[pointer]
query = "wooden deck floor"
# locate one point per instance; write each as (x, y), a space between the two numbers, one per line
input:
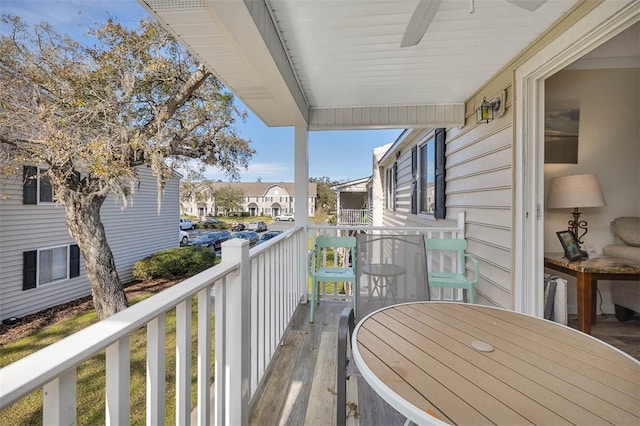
(300, 389)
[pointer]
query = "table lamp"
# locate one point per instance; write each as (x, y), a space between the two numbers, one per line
(575, 191)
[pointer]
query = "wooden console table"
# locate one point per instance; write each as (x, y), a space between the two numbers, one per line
(587, 273)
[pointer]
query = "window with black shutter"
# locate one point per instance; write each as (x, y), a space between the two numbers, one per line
(432, 172)
(36, 187)
(55, 264)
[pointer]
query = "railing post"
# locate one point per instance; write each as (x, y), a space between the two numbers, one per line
(461, 225)
(233, 332)
(59, 400)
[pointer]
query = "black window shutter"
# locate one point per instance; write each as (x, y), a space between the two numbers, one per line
(395, 185)
(440, 208)
(30, 185)
(29, 268)
(74, 261)
(414, 180)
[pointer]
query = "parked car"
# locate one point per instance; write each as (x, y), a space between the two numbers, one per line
(252, 236)
(212, 222)
(186, 224)
(267, 236)
(183, 238)
(238, 226)
(212, 240)
(285, 216)
(258, 226)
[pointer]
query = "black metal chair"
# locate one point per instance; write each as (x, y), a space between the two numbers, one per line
(392, 268)
(345, 331)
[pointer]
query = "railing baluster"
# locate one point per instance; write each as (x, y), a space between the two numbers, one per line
(118, 373)
(204, 349)
(256, 266)
(183, 363)
(156, 333)
(59, 400)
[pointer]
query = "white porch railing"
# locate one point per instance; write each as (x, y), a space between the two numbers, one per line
(353, 217)
(443, 261)
(256, 294)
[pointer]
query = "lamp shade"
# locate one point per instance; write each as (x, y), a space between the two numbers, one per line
(575, 191)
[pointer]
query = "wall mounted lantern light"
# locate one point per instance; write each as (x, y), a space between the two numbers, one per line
(575, 191)
(488, 110)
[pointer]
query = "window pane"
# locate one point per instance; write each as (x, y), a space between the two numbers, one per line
(46, 190)
(52, 265)
(427, 177)
(45, 263)
(60, 263)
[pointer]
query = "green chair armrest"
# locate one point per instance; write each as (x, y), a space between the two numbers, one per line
(476, 268)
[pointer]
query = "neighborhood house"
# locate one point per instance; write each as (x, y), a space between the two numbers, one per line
(41, 266)
(257, 198)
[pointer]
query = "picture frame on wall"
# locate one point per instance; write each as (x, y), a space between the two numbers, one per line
(570, 245)
(561, 130)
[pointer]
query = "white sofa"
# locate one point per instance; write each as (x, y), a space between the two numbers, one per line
(625, 294)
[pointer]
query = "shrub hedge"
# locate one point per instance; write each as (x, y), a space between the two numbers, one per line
(174, 262)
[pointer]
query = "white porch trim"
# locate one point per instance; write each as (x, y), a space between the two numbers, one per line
(389, 117)
(603, 23)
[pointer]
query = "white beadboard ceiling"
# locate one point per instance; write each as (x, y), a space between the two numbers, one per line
(292, 61)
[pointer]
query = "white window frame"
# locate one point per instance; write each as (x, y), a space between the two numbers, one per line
(421, 212)
(39, 268)
(390, 184)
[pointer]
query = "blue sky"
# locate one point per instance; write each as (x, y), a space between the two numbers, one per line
(340, 155)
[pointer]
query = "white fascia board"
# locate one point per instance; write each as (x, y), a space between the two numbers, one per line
(388, 117)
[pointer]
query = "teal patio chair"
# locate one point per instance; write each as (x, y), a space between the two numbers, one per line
(321, 269)
(457, 278)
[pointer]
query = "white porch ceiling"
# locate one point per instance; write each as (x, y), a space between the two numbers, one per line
(338, 63)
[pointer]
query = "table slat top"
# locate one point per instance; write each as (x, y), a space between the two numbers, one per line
(539, 372)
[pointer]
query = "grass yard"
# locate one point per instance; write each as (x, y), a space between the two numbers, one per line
(90, 375)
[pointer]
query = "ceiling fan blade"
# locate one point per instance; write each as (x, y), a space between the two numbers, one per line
(419, 22)
(529, 5)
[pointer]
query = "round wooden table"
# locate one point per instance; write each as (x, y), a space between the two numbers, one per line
(439, 363)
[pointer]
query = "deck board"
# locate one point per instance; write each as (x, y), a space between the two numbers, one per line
(305, 366)
(274, 392)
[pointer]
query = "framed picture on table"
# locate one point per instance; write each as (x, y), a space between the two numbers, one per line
(570, 245)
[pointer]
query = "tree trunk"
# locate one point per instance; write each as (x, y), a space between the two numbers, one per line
(85, 226)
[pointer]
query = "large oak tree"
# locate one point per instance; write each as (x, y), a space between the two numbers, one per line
(88, 115)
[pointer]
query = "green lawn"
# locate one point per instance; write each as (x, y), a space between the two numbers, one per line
(91, 374)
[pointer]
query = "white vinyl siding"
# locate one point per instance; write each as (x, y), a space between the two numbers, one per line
(133, 233)
(478, 183)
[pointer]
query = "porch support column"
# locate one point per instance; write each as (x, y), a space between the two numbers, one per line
(301, 203)
(301, 175)
(377, 191)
